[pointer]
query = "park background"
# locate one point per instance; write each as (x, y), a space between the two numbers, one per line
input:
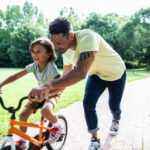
(19, 25)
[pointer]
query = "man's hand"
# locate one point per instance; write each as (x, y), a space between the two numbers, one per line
(38, 94)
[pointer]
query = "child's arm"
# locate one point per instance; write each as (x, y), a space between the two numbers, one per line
(13, 77)
(66, 69)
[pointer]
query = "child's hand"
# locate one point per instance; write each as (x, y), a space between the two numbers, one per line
(38, 94)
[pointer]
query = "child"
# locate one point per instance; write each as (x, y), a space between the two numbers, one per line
(44, 69)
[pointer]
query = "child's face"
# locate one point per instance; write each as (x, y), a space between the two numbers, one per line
(40, 55)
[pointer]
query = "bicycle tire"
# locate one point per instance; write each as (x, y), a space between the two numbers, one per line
(9, 148)
(56, 145)
(61, 141)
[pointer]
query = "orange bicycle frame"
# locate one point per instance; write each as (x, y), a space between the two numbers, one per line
(13, 130)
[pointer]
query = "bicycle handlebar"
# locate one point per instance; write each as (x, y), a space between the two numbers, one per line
(12, 109)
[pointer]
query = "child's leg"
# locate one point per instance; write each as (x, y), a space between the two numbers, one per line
(27, 111)
(47, 110)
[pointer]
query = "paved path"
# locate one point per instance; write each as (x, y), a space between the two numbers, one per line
(134, 126)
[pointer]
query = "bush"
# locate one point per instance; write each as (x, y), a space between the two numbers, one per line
(130, 65)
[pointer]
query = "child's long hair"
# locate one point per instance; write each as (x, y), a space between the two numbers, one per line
(49, 46)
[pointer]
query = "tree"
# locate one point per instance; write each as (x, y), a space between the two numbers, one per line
(141, 19)
(23, 26)
(13, 17)
(5, 60)
(134, 38)
(102, 25)
(72, 16)
(19, 50)
(31, 26)
(4, 41)
(125, 40)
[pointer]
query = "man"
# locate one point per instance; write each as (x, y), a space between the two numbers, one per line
(86, 52)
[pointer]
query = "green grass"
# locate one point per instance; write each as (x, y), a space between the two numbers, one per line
(137, 74)
(14, 91)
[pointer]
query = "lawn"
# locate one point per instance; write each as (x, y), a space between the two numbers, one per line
(13, 92)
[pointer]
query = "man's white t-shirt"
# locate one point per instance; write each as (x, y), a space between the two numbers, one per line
(108, 64)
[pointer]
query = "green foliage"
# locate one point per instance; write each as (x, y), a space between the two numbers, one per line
(125, 41)
(129, 36)
(21, 27)
(72, 16)
(13, 17)
(102, 25)
(21, 39)
(4, 45)
(134, 38)
(142, 16)
(141, 20)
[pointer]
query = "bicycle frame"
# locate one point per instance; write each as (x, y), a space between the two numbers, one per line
(12, 130)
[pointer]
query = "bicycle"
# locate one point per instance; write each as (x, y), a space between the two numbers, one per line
(38, 141)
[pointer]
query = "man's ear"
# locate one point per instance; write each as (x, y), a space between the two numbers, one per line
(71, 36)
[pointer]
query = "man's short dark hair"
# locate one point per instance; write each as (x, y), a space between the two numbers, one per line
(60, 25)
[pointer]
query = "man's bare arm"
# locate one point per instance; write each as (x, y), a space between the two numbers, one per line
(75, 75)
(67, 69)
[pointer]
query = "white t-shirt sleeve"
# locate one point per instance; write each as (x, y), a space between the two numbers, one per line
(88, 42)
(68, 57)
(30, 67)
